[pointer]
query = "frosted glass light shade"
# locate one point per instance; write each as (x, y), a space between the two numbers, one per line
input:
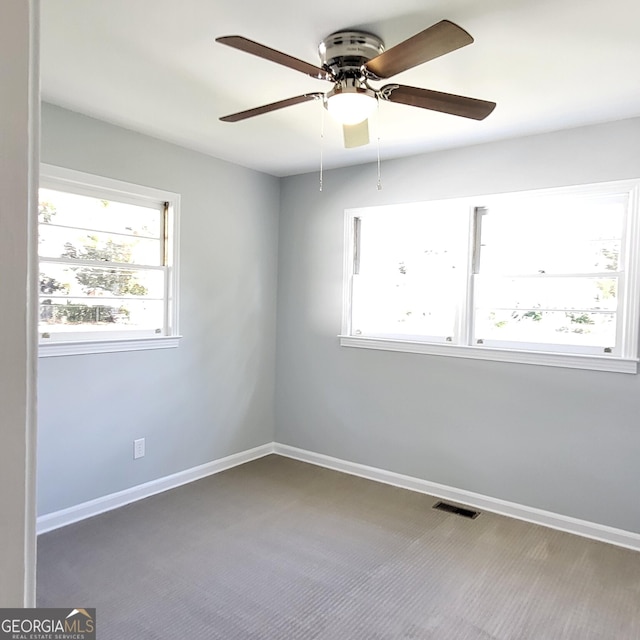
(351, 108)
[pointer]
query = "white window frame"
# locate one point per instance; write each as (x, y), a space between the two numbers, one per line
(85, 342)
(629, 315)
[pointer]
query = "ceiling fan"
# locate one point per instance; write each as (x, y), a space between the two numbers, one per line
(353, 59)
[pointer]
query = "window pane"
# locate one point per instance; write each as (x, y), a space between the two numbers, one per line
(547, 293)
(77, 314)
(414, 243)
(72, 210)
(552, 235)
(59, 280)
(79, 244)
(411, 271)
(404, 306)
(546, 327)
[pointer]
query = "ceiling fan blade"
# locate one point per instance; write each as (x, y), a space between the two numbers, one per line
(355, 135)
(431, 43)
(273, 106)
(249, 46)
(438, 101)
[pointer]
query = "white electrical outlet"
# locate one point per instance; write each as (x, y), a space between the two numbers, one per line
(138, 448)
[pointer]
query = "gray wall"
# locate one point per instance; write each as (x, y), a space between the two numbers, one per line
(212, 396)
(558, 439)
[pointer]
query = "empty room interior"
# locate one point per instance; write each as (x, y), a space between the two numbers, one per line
(292, 371)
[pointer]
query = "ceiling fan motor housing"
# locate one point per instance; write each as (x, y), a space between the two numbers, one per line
(345, 52)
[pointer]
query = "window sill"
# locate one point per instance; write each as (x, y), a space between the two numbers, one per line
(570, 361)
(52, 349)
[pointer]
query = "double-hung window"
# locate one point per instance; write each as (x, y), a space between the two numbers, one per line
(107, 264)
(548, 277)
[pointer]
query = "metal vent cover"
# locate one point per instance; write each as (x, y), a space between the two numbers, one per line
(459, 511)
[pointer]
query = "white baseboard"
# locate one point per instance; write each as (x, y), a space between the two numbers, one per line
(583, 528)
(61, 518)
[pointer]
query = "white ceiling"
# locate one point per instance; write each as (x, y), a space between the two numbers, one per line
(153, 66)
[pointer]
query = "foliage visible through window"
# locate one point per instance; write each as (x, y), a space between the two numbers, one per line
(543, 272)
(104, 268)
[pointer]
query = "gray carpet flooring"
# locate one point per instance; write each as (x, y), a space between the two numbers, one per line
(278, 549)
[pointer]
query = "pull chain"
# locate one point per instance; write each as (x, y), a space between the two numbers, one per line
(379, 185)
(321, 144)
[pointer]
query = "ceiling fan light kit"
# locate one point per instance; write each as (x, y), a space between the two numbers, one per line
(350, 102)
(353, 59)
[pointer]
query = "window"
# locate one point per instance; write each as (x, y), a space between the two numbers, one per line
(108, 272)
(548, 277)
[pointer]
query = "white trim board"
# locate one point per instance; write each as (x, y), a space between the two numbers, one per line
(583, 528)
(62, 518)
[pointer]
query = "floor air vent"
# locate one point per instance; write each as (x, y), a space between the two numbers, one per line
(459, 511)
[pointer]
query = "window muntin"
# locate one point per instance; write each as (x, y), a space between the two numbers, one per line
(107, 260)
(553, 272)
